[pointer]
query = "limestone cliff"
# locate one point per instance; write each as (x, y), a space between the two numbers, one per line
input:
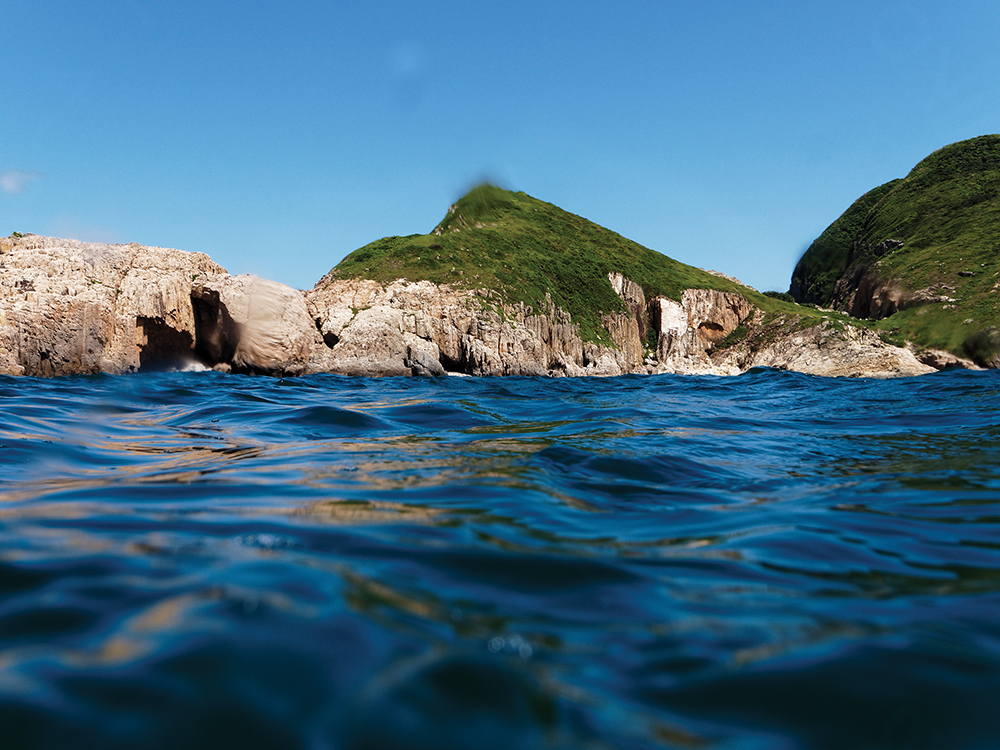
(76, 307)
(420, 327)
(72, 307)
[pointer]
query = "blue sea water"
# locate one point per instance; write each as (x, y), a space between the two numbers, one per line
(770, 561)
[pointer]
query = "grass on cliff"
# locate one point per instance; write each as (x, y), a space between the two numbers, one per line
(946, 212)
(521, 248)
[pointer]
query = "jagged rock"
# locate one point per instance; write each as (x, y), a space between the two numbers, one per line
(633, 297)
(373, 343)
(376, 329)
(424, 358)
(77, 307)
(690, 329)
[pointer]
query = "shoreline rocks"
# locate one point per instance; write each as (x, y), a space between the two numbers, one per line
(72, 307)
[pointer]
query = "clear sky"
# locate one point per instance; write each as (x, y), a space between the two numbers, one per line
(279, 136)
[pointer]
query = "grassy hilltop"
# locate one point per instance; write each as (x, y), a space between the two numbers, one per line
(521, 248)
(938, 231)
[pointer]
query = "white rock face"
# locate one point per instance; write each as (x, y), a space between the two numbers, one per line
(75, 307)
(689, 330)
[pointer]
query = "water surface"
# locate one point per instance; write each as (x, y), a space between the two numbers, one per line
(769, 561)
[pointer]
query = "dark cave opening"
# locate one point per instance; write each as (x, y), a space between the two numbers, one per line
(165, 347)
(216, 333)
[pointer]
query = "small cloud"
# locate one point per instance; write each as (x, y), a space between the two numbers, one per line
(16, 181)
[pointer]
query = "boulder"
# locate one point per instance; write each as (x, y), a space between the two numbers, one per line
(942, 360)
(826, 349)
(253, 325)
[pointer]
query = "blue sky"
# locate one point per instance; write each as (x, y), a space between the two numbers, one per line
(278, 137)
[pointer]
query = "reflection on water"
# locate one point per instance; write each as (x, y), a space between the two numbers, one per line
(768, 561)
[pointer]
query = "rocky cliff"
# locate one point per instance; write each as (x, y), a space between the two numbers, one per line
(429, 328)
(72, 307)
(423, 328)
(76, 307)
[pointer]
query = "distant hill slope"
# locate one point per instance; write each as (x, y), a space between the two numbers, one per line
(522, 248)
(919, 254)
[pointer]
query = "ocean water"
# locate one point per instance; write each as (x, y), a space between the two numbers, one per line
(769, 561)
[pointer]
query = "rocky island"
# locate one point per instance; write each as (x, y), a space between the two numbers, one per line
(510, 285)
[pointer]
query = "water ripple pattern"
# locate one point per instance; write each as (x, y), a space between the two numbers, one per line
(771, 561)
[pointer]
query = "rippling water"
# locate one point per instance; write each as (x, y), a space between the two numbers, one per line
(768, 561)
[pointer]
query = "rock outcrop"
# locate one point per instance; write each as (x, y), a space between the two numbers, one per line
(864, 293)
(251, 324)
(423, 328)
(826, 349)
(689, 331)
(73, 307)
(942, 360)
(77, 307)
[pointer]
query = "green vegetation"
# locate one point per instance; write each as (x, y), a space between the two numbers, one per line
(983, 346)
(520, 249)
(780, 295)
(816, 273)
(736, 335)
(937, 231)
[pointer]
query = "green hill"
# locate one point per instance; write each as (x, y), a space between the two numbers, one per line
(818, 271)
(522, 248)
(934, 237)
